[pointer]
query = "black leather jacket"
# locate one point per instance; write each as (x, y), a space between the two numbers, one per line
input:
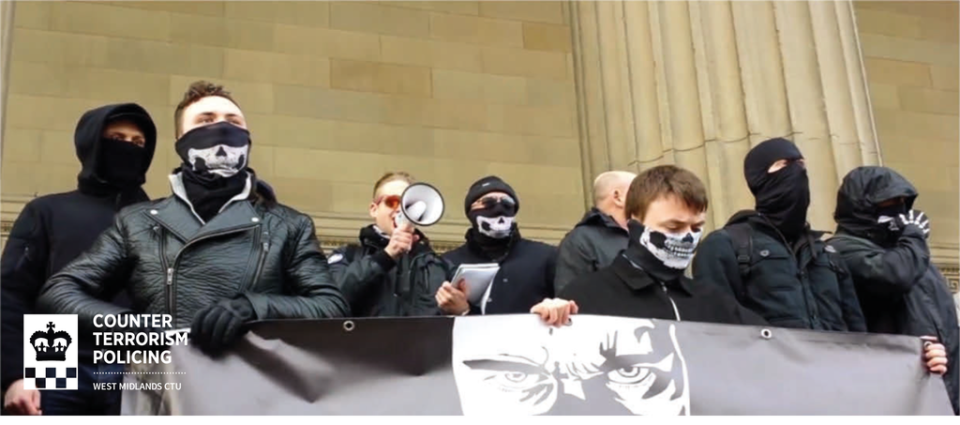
(171, 263)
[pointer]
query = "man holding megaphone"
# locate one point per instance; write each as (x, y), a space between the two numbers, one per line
(393, 271)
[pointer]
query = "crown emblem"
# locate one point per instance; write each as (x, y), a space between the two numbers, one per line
(51, 345)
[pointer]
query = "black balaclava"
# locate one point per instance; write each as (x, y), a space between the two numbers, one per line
(663, 256)
(122, 164)
(493, 228)
(784, 196)
(215, 159)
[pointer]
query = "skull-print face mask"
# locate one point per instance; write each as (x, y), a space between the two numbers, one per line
(216, 150)
(664, 255)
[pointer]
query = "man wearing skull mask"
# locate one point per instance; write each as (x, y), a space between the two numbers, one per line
(884, 243)
(526, 267)
(219, 253)
(771, 260)
(667, 207)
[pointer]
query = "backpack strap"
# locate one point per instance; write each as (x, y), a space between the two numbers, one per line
(741, 234)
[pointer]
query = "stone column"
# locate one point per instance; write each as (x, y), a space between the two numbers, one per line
(6, 39)
(698, 84)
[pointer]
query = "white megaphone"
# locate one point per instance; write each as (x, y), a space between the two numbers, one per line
(421, 204)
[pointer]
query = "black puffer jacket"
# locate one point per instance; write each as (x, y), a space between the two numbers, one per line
(170, 263)
(377, 286)
(52, 230)
(900, 289)
(804, 286)
(593, 244)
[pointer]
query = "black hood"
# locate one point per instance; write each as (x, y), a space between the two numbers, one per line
(861, 191)
(89, 133)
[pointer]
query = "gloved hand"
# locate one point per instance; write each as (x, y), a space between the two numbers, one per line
(915, 218)
(218, 326)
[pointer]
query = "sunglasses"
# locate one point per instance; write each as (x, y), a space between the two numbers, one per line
(391, 201)
(492, 201)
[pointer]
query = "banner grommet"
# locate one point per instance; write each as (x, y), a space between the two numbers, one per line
(766, 333)
(349, 326)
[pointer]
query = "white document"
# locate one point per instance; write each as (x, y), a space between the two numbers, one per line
(478, 278)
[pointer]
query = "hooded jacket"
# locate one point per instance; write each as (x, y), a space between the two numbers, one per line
(375, 285)
(54, 229)
(593, 244)
(900, 290)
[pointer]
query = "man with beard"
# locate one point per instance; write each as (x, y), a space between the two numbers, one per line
(115, 145)
(884, 243)
(771, 260)
(219, 253)
(668, 207)
(393, 272)
(526, 267)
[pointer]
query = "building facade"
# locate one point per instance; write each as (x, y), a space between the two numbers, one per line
(544, 94)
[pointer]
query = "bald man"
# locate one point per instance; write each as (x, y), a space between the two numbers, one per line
(602, 233)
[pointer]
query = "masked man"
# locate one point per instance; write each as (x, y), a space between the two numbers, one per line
(217, 254)
(115, 145)
(526, 267)
(771, 260)
(884, 243)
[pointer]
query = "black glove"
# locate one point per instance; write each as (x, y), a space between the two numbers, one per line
(915, 218)
(218, 326)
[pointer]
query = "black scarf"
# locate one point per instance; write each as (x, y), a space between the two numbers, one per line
(495, 249)
(782, 197)
(215, 159)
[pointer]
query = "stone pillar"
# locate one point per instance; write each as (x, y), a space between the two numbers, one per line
(698, 84)
(6, 40)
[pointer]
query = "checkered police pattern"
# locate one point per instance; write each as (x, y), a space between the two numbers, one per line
(50, 378)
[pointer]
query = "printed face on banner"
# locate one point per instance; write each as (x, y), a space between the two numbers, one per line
(598, 365)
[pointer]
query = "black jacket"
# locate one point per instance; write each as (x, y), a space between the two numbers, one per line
(802, 286)
(169, 262)
(627, 291)
(900, 289)
(52, 230)
(377, 286)
(525, 277)
(590, 246)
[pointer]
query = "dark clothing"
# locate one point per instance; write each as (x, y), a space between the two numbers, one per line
(783, 197)
(170, 263)
(525, 277)
(377, 286)
(900, 289)
(623, 289)
(800, 285)
(52, 230)
(87, 400)
(593, 244)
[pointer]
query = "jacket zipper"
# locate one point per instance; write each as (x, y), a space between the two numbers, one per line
(167, 269)
(171, 272)
(265, 246)
(676, 312)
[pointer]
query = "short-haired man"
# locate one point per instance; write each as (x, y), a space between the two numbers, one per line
(393, 272)
(602, 233)
(667, 206)
(526, 267)
(217, 254)
(770, 259)
(115, 145)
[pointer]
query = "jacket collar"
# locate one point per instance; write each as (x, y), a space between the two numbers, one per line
(177, 214)
(595, 217)
(637, 279)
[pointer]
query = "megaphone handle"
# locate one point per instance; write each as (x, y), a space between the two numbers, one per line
(400, 219)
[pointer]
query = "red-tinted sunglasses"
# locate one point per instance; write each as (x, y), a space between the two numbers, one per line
(391, 201)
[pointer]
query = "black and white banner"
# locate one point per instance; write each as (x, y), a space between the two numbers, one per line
(515, 365)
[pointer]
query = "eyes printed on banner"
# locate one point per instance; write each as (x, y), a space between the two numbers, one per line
(515, 374)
